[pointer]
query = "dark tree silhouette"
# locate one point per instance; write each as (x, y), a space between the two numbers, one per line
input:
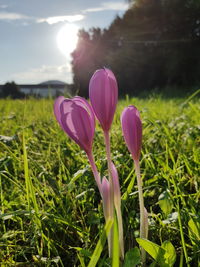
(11, 89)
(155, 44)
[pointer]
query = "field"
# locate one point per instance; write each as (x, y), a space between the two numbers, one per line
(51, 211)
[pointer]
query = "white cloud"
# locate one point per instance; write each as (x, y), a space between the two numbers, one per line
(116, 6)
(108, 6)
(56, 19)
(9, 16)
(12, 16)
(93, 9)
(44, 73)
(3, 6)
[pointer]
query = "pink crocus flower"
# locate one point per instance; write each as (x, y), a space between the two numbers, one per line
(76, 118)
(103, 92)
(132, 130)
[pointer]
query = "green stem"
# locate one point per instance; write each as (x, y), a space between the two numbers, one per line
(120, 228)
(108, 155)
(94, 170)
(141, 203)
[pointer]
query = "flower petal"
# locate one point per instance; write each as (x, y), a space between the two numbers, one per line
(84, 103)
(57, 104)
(77, 124)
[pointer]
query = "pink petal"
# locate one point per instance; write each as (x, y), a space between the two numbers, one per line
(57, 104)
(77, 124)
(84, 103)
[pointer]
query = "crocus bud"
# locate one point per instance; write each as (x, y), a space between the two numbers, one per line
(132, 130)
(76, 118)
(103, 92)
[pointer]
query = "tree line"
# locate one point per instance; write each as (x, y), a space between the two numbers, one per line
(12, 90)
(155, 44)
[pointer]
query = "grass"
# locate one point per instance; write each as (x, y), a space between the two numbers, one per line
(51, 213)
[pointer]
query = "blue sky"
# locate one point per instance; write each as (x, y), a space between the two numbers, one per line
(28, 30)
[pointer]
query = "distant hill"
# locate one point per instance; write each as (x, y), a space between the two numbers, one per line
(51, 88)
(53, 82)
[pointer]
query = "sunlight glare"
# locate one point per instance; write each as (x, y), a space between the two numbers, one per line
(67, 38)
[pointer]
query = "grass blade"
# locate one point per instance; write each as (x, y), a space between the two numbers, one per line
(115, 250)
(26, 171)
(99, 247)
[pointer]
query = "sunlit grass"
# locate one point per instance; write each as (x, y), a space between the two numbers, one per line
(51, 212)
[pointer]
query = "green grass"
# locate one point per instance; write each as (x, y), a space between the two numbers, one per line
(51, 211)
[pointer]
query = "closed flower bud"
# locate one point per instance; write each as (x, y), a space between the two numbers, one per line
(103, 92)
(132, 130)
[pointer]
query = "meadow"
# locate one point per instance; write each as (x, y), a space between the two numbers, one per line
(51, 211)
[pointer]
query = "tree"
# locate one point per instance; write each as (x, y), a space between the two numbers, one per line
(11, 89)
(88, 56)
(156, 43)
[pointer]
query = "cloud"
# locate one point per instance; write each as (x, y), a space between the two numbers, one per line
(8, 16)
(44, 73)
(12, 16)
(3, 6)
(108, 6)
(93, 9)
(56, 19)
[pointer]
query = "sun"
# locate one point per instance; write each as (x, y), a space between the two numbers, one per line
(67, 38)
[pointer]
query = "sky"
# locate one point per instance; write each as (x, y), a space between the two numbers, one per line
(29, 46)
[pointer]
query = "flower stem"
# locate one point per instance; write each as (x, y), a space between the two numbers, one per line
(108, 155)
(94, 170)
(142, 211)
(120, 229)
